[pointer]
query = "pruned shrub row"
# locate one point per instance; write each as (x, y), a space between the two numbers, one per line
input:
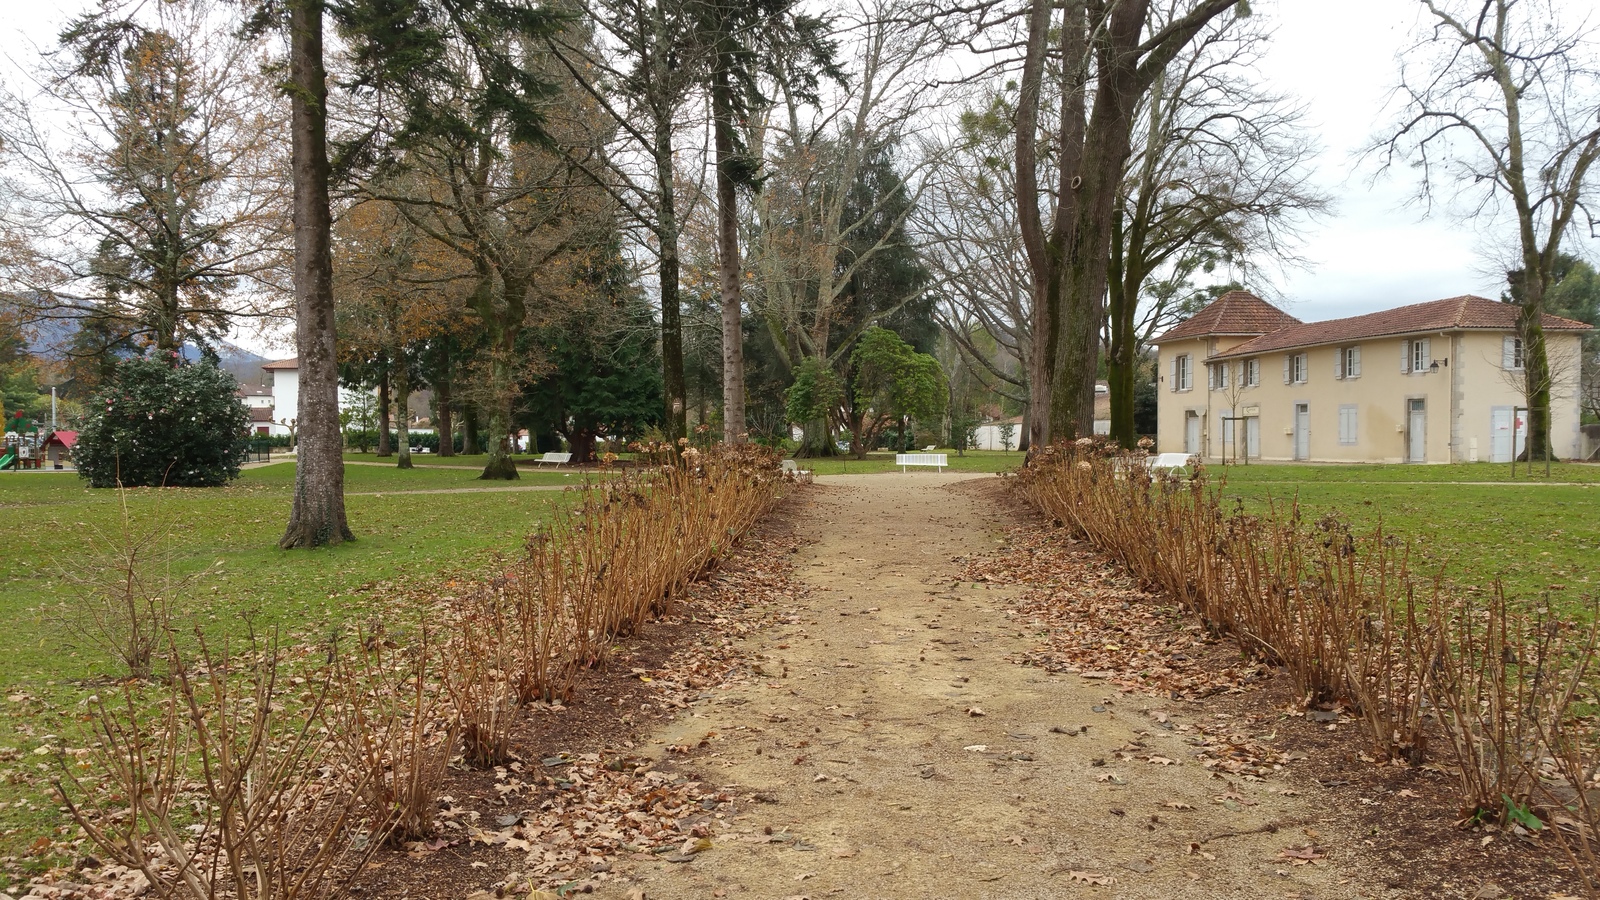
(1503, 690)
(258, 772)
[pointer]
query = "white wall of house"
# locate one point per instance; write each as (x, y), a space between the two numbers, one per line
(990, 437)
(285, 398)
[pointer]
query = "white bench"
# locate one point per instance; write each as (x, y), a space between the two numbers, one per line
(1172, 463)
(559, 459)
(791, 467)
(938, 460)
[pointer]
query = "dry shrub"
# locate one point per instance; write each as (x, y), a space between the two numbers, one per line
(124, 590)
(394, 733)
(598, 571)
(1499, 684)
(479, 666)
(221, 783)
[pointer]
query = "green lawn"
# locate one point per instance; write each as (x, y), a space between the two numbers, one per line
(973, 461)
(1537, 536)
(1497, 473)
(225, 538)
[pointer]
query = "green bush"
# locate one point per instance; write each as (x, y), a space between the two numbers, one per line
(156, 423)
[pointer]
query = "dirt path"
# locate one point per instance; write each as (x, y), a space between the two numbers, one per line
(876, 777)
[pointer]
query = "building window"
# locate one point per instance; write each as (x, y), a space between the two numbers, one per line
(1183, 373)
(1217, 376)
(1347, 424)
(1252, 373)
(1294, 368)
(1512, 353)
(1415, 356)
(1348, 363)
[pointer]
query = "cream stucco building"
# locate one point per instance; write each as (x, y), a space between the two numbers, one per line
(1431, 382)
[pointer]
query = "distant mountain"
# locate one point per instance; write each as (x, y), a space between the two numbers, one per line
(51, 338)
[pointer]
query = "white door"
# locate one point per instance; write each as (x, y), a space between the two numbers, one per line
(1252, 437)
(1302, 431)
(1501, 422)
(1229, 449)
(1416, 431)
(1191, 434)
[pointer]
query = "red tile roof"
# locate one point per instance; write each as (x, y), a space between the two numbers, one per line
(1234, 313)
(261, 414)
(293, 363)
(1465, 313)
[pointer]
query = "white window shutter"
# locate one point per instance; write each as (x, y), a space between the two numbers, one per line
(1508, 352)
(1211, 378)
(1427, 355)
(1405, 357)
(1338, 362)
(1286, 359)
(1355, 363)
(1174, 376)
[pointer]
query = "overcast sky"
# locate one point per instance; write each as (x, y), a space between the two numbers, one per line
(1372, 252)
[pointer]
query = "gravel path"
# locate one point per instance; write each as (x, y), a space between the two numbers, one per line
(900, 752)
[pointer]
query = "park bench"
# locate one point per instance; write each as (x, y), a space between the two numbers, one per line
(938, 460)
(792, 467)
(559, 459)
(1171, 463)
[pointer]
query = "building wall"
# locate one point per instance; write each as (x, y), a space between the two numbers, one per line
(285, 397)
(1459, 400)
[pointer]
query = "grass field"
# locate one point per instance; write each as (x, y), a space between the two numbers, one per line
(1471, 520)
(973, 461)
(224, 539)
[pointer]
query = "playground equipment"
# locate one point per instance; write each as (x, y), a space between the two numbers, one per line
(23, 448)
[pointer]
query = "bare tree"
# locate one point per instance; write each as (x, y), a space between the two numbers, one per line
(1112, 52)
(1501, 100)
(967, 225)
(839, 190)
(1218, 173)
(143, 170)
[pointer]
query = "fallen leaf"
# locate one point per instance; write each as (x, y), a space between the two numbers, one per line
(1301, 855)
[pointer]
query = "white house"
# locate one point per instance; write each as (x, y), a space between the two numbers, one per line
(1431, 382)
(283, 377)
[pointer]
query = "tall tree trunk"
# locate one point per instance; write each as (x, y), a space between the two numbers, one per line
(446, 424)
(500, 466)
(471, 440)
(1085, 263)
(1120, 361)
(402, 423)
(1031, 223)
(318, 516)
(1045, 250)
(733, 421)
(672, 381)
(1535, 370)
(384, 423)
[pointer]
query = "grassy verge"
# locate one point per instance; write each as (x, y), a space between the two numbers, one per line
(973, 461)
(1537, 538)
(1464, 473)
(225, 540)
